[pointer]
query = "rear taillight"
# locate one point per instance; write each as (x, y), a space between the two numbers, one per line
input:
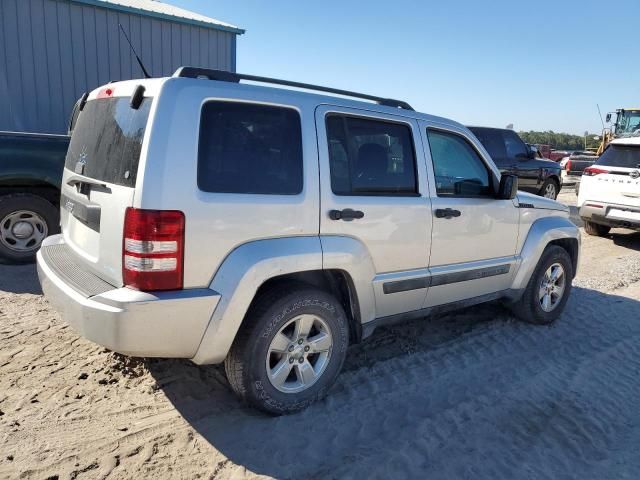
(153, 249)
(567, 166)
(591, 171)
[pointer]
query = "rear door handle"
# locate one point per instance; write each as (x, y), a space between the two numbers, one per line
(447, 213)
(346, 214)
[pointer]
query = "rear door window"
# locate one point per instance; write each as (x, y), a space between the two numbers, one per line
(250, 148)
(370, 157)
(107, 140)
(620, 156)
(493, 143)
(504, 146)
(514, 145)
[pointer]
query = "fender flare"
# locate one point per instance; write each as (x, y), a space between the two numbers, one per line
(250, 265)
(351, 256)
(542, 232)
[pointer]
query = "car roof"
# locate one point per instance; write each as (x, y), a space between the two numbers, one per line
(626, 141)
(297, 95)
(475, 127)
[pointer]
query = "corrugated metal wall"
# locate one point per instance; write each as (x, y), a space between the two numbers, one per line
(51, 51)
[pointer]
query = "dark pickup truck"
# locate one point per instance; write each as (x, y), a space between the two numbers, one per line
(573, 166)
(511, 155)
(31, 167)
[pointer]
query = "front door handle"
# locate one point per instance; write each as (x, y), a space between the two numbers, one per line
(346, 214)
(447, 213)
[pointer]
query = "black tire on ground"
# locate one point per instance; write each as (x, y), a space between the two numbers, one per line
(246, 363)
(545, 185)
(34, 205)
(596, 229)
(529, 308)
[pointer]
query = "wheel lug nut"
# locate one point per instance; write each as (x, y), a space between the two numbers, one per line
(291, 360)
(306, 349)
(291, 348)
(300, 342)
(301, 360)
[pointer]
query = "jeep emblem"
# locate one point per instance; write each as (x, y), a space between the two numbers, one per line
(69, 205)
(635, 174)
(82, 161)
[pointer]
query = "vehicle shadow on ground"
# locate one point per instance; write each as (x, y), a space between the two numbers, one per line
(626, 238)
(407, 384)
(19, 279)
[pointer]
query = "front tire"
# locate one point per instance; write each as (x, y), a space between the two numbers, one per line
(289, 351)
(596, 229)
(25, 220)
(548, 289)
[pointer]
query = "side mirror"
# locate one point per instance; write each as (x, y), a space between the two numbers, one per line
(608, 119)
(508, 187)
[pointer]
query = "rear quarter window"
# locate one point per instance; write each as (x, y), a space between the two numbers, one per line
(249, 148)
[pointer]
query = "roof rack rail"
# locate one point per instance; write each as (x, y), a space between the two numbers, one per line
(224, 76)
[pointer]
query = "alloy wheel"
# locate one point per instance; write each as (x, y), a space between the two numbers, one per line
(299, 353)
(550, 191)
(552, 287)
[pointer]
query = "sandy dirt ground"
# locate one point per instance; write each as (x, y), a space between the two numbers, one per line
(475, 394)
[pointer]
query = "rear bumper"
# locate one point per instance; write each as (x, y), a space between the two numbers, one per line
(569, 178)
(158, 324)
(611, 215)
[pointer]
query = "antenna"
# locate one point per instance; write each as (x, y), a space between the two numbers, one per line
(600, 115)
(144, 70)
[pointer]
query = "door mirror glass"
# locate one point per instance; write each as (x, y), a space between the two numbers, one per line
(608, 119)
(508, 187)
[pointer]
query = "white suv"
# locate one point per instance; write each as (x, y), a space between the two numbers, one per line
(610, 189)
(269, 228)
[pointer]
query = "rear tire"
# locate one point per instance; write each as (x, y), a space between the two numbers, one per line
(25, 220)
(531, 307)
(284, 335)
(596, 229)
(550, 189)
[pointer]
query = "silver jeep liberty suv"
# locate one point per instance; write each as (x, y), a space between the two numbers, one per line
(270, 228)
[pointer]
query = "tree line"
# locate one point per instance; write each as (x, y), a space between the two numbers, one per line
(560, 141)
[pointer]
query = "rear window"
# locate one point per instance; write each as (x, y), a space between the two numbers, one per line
(620, 156)
(107, 140)
(249, 148)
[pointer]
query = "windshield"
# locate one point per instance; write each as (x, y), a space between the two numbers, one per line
(628, 123)
(620, 156)
(107, 140)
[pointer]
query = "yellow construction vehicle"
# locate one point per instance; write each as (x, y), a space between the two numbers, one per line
(627, 124)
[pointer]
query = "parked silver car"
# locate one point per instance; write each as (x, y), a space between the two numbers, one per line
(270, 228)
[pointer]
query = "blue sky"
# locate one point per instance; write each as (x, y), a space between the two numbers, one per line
(540, 65)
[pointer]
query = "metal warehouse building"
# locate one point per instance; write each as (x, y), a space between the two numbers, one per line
(52, 51)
